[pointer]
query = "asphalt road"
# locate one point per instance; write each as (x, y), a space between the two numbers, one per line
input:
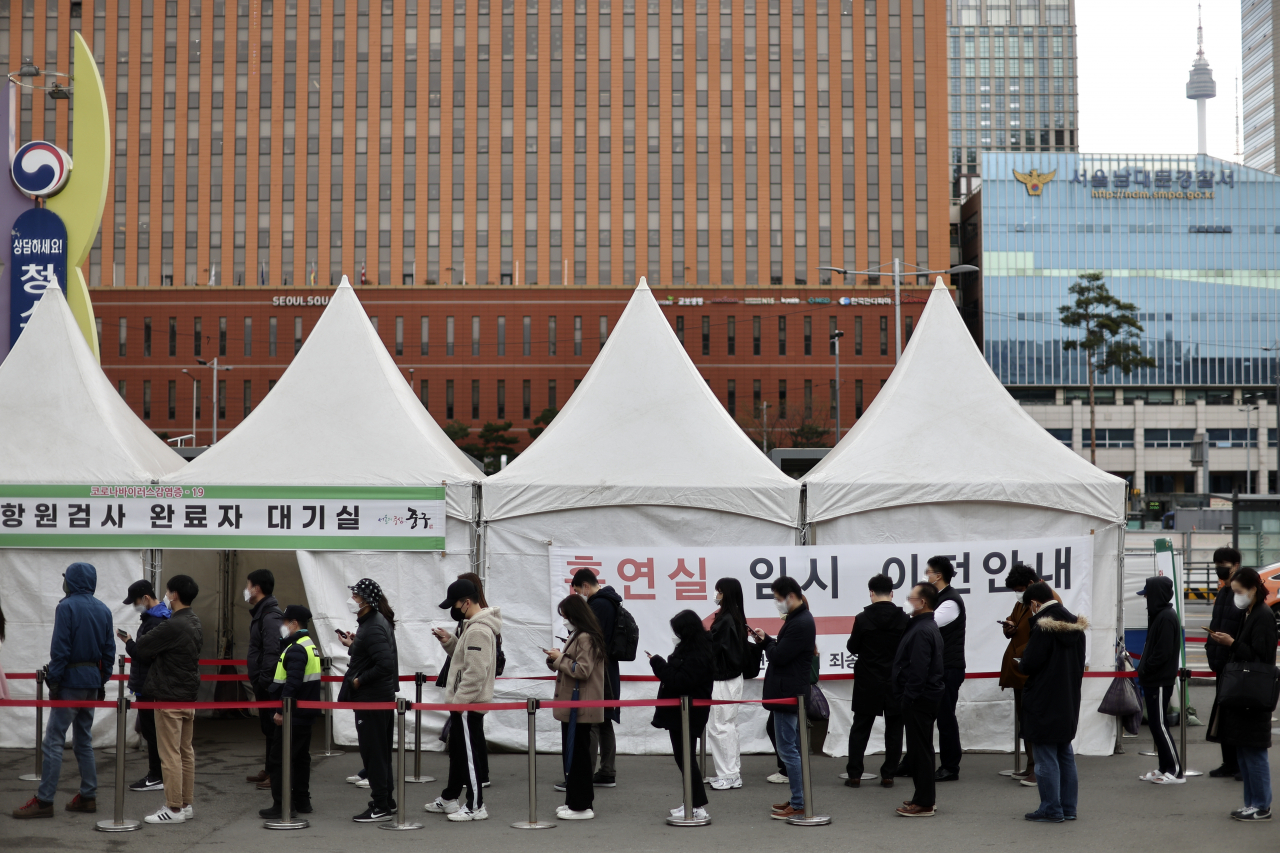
(981, 812)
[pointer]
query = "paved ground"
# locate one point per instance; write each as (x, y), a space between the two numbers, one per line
(981, 812)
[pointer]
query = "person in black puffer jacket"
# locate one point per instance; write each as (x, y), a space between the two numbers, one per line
(142, 595)
(1226, 619)
(876, 633)
(729, 644)
(688, 672)
(261, 656)
(373, 675)
(1157, 671)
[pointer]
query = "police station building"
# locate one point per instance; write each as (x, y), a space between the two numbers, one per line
(1194, 243)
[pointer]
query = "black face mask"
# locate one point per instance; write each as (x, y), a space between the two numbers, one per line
(1223, 573)
(66, 588)
(455, 614)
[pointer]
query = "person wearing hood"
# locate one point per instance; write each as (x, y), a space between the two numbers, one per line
(1053, 663)
(579, 669)
(473, 661)
(604, 602)
(297, 677)
(1248, 729)
(919, 686)
(688, 672)
(264, 649)
(1226, 619)
(151, 612)
(1157, 671)
(877, 631)
(1017, 630)
(81, 654)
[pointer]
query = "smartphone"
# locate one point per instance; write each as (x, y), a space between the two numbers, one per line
(1000, 622)
(121, 633)
(340, 632)
(1207, 630)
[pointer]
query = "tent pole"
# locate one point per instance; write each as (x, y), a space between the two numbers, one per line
(478, 564)
(802, 532)
(1119, 646)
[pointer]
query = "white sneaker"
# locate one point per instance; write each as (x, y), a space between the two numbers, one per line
(724, 783)
(363, 783)
(163, 815)
(1170, 779)
(1151, 776)
(699, 813)
(355, 780)
(469, 814)
(189, 812)
(776, 778)
(442, 806)
(570, 814)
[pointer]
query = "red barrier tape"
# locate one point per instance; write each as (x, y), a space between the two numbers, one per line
(54, 703)
(212, 662)
(201, 706)
(351, 706)
(479, 707)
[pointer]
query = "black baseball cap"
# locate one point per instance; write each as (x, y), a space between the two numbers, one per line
(297, 613)
(459, 590)
(137, 589)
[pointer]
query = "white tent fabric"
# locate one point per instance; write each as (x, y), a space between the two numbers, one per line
(642, 454)
(62, 422)
(945, 454)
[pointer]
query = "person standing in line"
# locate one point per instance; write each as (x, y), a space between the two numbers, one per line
(264, 649)
(604, 601)
(877, 632)
(151, 612)
(297, 677)
(1157, 671)
(373, 675)
(1053, 662)
(81, 654)
(1017, 630)
(919, 686)
(579, 669)
(482, 760)
(1226, 619)
(728, 640)
(173, 650)
(1248, 729)
(688, 672)
(787, 676)
(950, 619)
(473, 660)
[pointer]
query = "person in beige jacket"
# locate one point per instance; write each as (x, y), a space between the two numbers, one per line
(472, 668)
(580, 669)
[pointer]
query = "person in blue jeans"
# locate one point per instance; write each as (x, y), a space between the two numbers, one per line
(787, 676)
(1053, 662)
(80, 657)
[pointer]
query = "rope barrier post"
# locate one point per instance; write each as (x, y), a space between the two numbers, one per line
(802, 723)
(1017, 738)
(286, 819)
(687, 817)
(702, 745)
(1184, 674)
(326, 666)
(531, 708)
(401, 822)
(39, 772)
(118, 823)
(419, 679)
(111, 750)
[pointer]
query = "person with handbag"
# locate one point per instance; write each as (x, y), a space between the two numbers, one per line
(1017, 630)
(1246, 694)
(688, 672)
(1226, 619)
(580, 669)
(729, 639)
(1157, 671)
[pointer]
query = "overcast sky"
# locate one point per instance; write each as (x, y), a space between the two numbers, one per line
(1134, 60)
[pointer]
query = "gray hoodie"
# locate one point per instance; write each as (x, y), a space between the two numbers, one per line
(473, 658)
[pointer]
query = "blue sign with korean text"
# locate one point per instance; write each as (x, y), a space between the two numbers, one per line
(37, 261)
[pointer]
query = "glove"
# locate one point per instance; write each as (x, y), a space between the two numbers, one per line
(102, 694)
(55, 691)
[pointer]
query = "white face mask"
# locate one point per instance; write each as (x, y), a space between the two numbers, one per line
(140, 608)
(781, 604)
(675, 641)
(170, 602)
(719, 600)
(247, 596)
(353, 607)
(284, 632)
(1242, 600)
(568, 626)
(1022, 597)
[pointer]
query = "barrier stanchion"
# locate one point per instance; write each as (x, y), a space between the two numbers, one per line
(326, 666)
(402, 809)
(531, 708)
(418, 679)
(1017, 736)
(702, 746)
(39, 773)
(118, 823)
(111, 750)
(286, 819)
(687, 817)
(809, 818)
(1183, 675)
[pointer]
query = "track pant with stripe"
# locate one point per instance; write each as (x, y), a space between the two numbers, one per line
(1157, 701)
(467, 752)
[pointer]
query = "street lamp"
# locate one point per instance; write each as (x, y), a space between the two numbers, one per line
(764, 432)
(213, 396)
(897, 293)
(835, 341)
(195, 396)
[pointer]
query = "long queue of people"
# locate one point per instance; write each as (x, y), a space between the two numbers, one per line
(909, 665)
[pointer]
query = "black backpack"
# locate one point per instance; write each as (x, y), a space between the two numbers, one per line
(626, 635)
(752, 658)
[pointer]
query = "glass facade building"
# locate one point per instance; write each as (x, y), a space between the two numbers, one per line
(1259, 23)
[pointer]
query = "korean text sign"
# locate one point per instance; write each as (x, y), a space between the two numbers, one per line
(657, 583)
(342, 518)
(37, 261)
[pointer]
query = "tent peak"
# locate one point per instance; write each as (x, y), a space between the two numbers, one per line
(344, 283)
(644, 283)
(938, 285)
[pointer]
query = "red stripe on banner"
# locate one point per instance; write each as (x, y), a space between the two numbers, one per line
(823, 624)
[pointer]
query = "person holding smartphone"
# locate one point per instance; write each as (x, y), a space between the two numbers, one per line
(1017, 630)
(688, 672)
(580, 670)
(151, 612)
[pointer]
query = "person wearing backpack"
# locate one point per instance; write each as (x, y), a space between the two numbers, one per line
(728, 641)
(606, 604)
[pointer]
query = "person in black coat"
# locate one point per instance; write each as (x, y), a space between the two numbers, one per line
(1248, 729)
(296, 677)
(604, 602)
(877, 632)
(688, 672)
(264, 649)
(729, 644)
(1157, 671)
(918, 687)
(151, 612)
(1053, 662)
(1226, 619)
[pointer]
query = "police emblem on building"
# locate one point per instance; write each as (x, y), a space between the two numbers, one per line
(1033, 180)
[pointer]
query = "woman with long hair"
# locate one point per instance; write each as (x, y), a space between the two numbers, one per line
(728, 640)
(579, 669)
(688, 672)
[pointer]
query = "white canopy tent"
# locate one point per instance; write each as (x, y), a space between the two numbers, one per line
(61, 422)
(343, 415)
(642, 454)
(944, 454)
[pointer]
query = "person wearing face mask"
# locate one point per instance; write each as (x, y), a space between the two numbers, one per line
(917, 683)
(264, 648)
(1017, 630)
(151, 612)
(442, 680)
(173, 650)
(1157, 671)
(688, 672)
(729, 643)
(876, 634)
(1226, 619)
(1248, 729)
(790, 657)
(297, 676)
(1053, 662)
(579, 669)
(605, 603)
(950, 618)
(373, 675)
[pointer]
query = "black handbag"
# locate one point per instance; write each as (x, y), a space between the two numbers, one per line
(1249, 686)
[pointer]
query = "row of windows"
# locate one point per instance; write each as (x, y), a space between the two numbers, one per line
(246, 398)
(1166, 438)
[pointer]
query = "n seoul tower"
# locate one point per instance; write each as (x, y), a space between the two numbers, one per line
(1200, 87)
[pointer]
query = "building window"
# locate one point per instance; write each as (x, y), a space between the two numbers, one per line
(527, 332)
(173, 336)
(808, 336)
(577, 335)
(146, 399)
(551, 337)
(222, 399)
(755, 335)
(173, 399)
(884, 335)
(906, 336)
(502, 337)
(857, 335)
(808, 399)
(782, 336)
(502, 398)
(198, 332)
(475, 337)
(551, 394)
(248, 397)
(731, 336)
(782, 398)
(732, 398)
(222, 336)
(857, 398)
(448, 399)
(475, 399)
(706, 335)
(422, 392)
(448, 335)
(680, 329)
(526, 398)
(271, 336)
(604, 330)
(399, 336)
(833, 392)
(146, 337)
(120, 389)
(424, 343)
(755, 398)
(297, 335)
(248, 336)
(124, 334)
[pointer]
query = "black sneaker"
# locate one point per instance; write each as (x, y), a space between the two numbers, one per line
(602, 781)
(373, 815)
(147, 783)
(1252, 814)
(275, 811)
(944, 775)
(1041, 817)
(304, 808)
(1223, 772)
(560, 786)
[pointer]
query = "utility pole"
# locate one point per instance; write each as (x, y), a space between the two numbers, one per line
(213, 397)
(195, 397)
(897, 310)
(835, 340)
(764, 437)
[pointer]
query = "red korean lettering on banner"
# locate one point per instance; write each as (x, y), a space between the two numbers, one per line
(690, 590)
(587, 562)
(632, 571)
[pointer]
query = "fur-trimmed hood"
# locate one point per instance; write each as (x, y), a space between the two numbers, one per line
(1055, 618)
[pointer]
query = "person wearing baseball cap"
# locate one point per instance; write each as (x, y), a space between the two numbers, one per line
(297, 677)
(151, 611)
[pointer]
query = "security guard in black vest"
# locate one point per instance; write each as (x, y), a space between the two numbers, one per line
(298, 677)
